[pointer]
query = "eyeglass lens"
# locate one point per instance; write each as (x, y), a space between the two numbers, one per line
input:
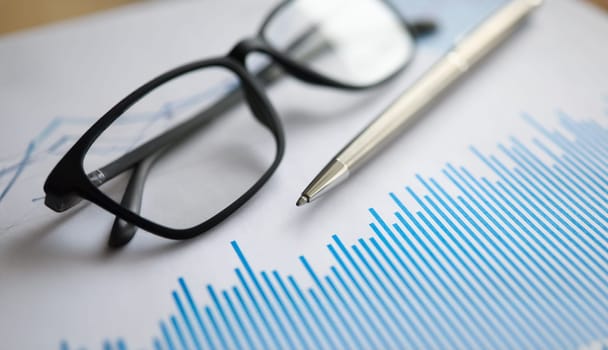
(203, 173)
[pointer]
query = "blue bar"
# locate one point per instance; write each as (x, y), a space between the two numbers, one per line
(249, 270)
(440, 310)
(178, 331)
(542, 169)
(166, 336)
(216, 327)
(197, 314)
(238, 319)
(558, 217)
(532, 235)
(507, 295)
(361, 327)
(332, 304)
(408, 336)
(250, 317)
(312, 312)
(182, 312)
(483, 269)
(227, 322)
(559, 198)
(373, 290)
(299, 312)
(157, 344)
(575, 171)
(361, 308)
(544, 272)
(499, 237)
(278, 298)
(487, 305)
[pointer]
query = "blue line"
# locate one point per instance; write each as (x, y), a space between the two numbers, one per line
(555, 205)
(542, 169)
(555, 236)
(361, 309)
(562, 211)
(21, 165)
(579, 155)
(331, 322)
(464, 278)
(255, 303)
(412, 276)
(480, 283)
(554, 137)
(576, 172)
(534, 261)
(509, 248)
(107, 345)
(238, 319)
(197, 315)
(540, 201)
(299, 312)
(63, 345)
(523, 227)
(157, 344)
(447, 288)
(555, 225)
(216, 327)
(249, 270)
(312, 312)
(547, 170)
(276, 317)
(480, 230)
(286, 312)
(390, 295)
(555, 195)
(377, 296)
(350, 311)
(365, 297)
(166, 335)
(182, 311)
(485, 262)
(424, 338)
(222, 313)
(252, 320)
(584, 136)
(580, 152)
(332, 304)
(120, 344)
(178, 331)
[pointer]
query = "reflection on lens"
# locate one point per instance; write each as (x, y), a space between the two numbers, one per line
(357, 42)
(221, 152)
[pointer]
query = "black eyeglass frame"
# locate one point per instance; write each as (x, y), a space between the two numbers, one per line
(68, 182)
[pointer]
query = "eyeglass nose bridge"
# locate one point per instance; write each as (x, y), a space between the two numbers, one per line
(240, 51)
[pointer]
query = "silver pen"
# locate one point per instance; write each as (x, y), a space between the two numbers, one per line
(403, 111)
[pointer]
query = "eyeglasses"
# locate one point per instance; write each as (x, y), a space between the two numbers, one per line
(169, 123)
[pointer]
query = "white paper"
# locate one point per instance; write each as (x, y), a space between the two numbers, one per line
(60, 286)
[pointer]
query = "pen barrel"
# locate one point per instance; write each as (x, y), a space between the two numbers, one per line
(442, 74)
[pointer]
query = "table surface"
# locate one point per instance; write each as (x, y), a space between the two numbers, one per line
(22, 14)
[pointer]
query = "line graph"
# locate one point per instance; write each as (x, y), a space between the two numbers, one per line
(520, 261)
(56, 137)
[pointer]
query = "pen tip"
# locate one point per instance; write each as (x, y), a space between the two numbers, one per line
(302, 200)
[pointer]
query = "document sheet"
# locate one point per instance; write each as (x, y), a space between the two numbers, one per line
(482, 226)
